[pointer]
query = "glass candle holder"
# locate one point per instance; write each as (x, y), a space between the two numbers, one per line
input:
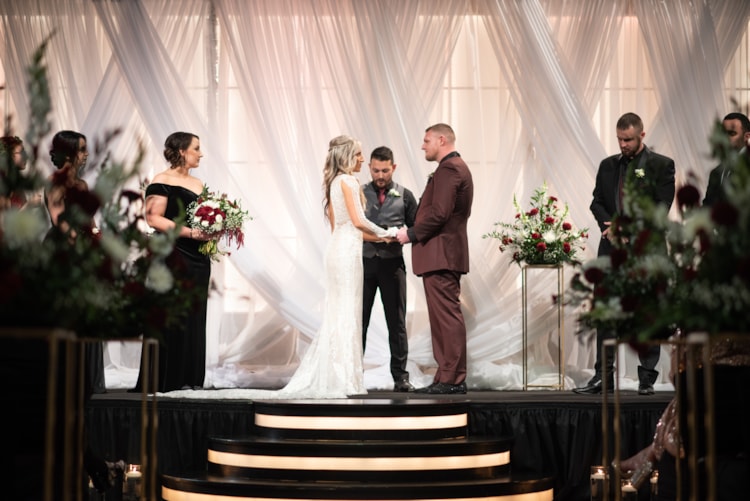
(654, 480)
(131, 490)
(598, 483)
(628, 490)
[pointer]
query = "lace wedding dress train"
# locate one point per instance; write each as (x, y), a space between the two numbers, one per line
(332, 365)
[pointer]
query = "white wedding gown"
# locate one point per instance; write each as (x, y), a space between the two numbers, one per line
(332, 365)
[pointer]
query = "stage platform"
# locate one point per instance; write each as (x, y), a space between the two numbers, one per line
(555, 433)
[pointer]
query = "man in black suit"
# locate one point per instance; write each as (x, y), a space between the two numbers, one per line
(634, 159)
(389, 205)
(737, 127)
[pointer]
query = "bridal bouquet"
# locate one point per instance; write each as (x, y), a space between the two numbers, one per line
(219, 217)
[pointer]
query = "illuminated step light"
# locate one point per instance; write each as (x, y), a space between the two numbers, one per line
(174, 495)
(359, 463)
(361, 423)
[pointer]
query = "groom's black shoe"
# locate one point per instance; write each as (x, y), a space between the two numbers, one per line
(646, 380)
(594, 386)
(443, 389)
(403, 386)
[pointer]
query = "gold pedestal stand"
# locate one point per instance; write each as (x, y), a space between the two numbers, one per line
(560, 325)
(693, 356)
(148, 420)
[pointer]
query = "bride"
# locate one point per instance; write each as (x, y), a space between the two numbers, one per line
(332, 365)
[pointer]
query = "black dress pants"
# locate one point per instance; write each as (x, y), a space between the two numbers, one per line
(388, 275)
(648, 358)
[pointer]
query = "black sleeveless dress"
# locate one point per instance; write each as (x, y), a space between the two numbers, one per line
(182, 351)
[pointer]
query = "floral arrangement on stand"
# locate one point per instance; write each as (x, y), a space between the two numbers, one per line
(221, 218)
(109, 281)
(542, 234)
(691, 274)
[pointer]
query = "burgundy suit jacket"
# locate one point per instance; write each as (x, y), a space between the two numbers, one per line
(439, 240)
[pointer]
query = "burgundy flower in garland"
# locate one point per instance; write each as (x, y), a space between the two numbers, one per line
(688, 196)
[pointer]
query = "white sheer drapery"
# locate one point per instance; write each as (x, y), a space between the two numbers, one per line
(267, 83)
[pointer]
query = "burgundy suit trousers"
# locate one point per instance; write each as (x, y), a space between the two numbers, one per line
(442, 290)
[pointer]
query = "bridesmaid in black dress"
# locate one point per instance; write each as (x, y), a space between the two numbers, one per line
(182, 351)
(69, 154)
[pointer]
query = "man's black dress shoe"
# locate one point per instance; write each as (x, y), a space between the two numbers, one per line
(594, 386)
(443, 389)
(645, 388)
(403, 386)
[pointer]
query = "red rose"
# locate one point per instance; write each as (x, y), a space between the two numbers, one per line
(533, 212)
(689, 274)
(536, 236)
(601, 292)
(705, 241)
(618, 257)
(688, 196)
(549, 220)
(567, 226)
(641, 240)
(566, 247)
(594, 275)
(541, 247)
(629, 303)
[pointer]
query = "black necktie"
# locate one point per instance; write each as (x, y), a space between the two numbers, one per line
(624, 161)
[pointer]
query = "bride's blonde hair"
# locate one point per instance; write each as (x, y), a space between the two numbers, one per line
(341, 159)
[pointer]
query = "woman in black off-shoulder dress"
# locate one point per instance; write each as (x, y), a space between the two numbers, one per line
(182, 351)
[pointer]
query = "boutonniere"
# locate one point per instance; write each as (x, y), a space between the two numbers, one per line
(393, 192)
(640, 174)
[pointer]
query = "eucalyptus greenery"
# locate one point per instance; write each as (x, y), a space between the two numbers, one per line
(112, 280)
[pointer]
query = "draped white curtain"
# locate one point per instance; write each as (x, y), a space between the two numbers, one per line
(532, 88)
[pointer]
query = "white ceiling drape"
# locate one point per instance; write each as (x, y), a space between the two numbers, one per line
(532, 88)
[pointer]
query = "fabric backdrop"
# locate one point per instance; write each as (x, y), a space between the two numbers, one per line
(533, 90)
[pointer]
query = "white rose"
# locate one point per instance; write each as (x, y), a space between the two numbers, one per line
(159, 278)
(159, 244)
(697, 221)
(22, 227)
(549, 236)
(115, 247)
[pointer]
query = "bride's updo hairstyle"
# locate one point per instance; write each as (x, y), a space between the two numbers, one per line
(341, 159)
(174, 144)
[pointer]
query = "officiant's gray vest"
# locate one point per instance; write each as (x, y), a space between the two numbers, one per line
(391, 213)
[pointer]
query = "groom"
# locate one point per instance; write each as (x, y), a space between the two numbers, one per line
(440, 255)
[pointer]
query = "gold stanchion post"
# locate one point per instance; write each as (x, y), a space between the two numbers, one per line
(560, 304)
